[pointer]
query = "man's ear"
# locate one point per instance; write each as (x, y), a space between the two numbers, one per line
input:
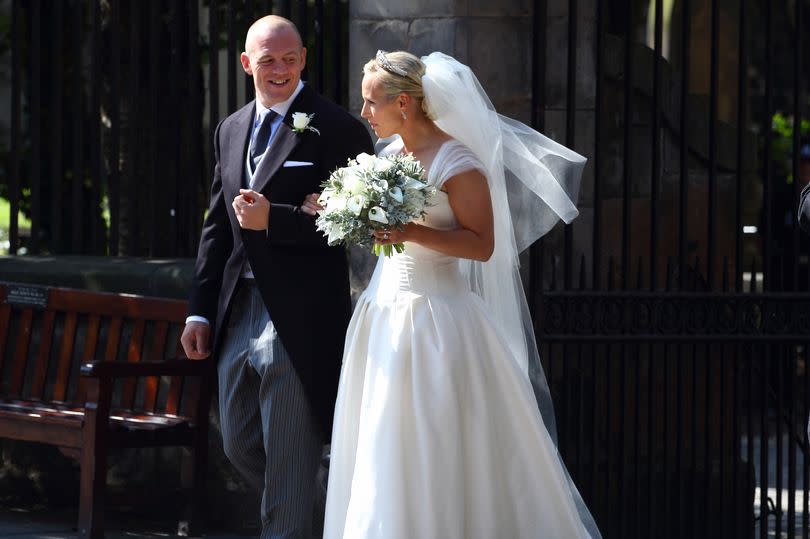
(245, 59)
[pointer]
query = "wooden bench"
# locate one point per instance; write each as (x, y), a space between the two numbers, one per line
(90, 372)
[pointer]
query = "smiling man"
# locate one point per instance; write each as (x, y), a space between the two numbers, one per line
(270, 300)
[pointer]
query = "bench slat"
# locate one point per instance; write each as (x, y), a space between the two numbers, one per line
(113, 339)
(60, 432)
(151, 384)
(89, 354)
(63, 336)
(44, 356)
(176, 386)
(21, 352)
(133, 356)
(123, 305)
(65, 356)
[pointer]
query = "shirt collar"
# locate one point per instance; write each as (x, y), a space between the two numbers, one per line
(280, 108)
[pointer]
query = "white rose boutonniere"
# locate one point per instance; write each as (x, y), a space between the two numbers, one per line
(301, 122)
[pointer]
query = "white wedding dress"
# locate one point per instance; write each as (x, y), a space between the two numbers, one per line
(437, 433)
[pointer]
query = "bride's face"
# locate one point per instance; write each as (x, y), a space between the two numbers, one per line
(382, 113)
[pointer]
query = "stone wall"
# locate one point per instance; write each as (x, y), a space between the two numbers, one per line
(493, 38)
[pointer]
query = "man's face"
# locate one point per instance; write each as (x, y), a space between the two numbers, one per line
(275, 59)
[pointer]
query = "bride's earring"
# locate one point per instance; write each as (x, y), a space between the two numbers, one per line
(404, 116)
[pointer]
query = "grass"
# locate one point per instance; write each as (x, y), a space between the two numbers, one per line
(5, 216)
(5, 224)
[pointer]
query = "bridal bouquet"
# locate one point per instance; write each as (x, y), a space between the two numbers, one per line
(369, 194)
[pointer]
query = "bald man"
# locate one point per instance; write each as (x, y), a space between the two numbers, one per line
(270, 300)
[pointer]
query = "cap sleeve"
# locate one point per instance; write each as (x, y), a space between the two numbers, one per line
(452, 159)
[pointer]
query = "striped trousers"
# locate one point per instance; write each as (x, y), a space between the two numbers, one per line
(268, 431)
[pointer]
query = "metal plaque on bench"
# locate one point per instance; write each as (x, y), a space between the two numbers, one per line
(28, 296)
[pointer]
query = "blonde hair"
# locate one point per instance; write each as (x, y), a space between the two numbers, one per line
(399, 72)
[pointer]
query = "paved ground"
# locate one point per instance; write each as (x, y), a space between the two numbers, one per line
(41, 525)
(20, 524)
(773, 494)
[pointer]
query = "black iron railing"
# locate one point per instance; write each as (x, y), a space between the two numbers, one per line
(113, 107)
(673, 316)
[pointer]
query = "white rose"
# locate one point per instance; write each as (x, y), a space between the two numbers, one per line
(359, 187)
(377, 214)
(352, 183)
(300, 120)
(381, 164)
(356, 203)
(335, 203)
(365, 160)
(325, 196)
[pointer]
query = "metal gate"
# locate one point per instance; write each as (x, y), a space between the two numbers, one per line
(113, 106)
(674, 314)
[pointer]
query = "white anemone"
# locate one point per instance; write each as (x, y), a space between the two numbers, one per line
(377, 214)
(396, 194)
(356, 203)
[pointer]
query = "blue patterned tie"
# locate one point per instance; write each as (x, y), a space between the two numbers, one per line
(262, 137)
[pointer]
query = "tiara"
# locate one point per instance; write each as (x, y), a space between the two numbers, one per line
(388, 66)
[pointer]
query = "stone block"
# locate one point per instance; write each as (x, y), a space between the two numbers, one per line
(557, 8)
(560, 8)
(554, 125)
(586, 64)
(502, 8)
(406, 10)
(429, 35)
(582, 246)
(500, 55)
(365, 38)
(556, 62)
(588, 8)
(556, 51)
(517, 106)
(584, 145)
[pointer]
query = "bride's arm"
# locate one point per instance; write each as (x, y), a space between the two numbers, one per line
(468, 194)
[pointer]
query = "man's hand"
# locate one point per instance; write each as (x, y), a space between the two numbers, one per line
(195, 339)
(252, 210)
(310, 205)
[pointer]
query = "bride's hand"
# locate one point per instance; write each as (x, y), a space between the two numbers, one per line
(392, 235)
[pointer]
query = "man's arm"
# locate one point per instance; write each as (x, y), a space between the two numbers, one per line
(290, 224)
(216, 244)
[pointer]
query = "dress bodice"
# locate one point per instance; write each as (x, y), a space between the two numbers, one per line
(419, 269)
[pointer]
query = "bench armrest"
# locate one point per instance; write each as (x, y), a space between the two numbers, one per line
(124, 369)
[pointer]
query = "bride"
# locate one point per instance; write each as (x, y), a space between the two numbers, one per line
(443, 425)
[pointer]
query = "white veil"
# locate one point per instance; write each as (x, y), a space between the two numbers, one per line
(533, 183)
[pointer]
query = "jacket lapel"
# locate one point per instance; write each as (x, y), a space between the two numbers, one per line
(284, 142)
(233, 178)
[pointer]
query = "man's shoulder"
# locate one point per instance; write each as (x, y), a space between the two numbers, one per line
(235, 117)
